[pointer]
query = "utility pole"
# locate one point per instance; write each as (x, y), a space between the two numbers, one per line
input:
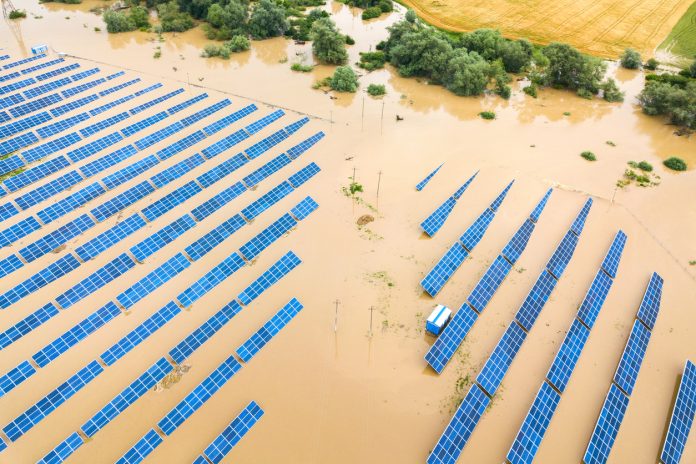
(381, 122)
(353, 174)
(336, 302)
(372, 308)
(379, 180)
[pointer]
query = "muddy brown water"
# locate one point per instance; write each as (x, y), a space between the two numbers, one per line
(346, 397)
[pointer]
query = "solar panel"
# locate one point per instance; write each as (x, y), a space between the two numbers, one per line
(534, 427)
(15, 377)
(49, 403)
(34, 174)
(144, 123)
(153, 102)
(155, 279)
(205, 112)
(489, 283)
(180, 145)
(514, 248)
(110, 237)
(187, 103)
(121, 201)
(632, 357)
(17, 85)
(497, 365)
(266, 144)
(162, 237)
(103, 124)
(304, 174)
(97, 280)
(19, 230)
(128, 396)
(463, 188)
(607, 427)
(449, 340)
(269, 330)
(23, 61)
(421, 185)
(70, 203)
(26, 325)
(460, 428)
(228, 120)
(4, 117)
(12, 100)
(80, 102)
(225, 144)
(171, 200)
(129, 172)
(41, 66)
(44, 88)
(42, 278)
(59, 126)
(266, 170)
(568, 355)
(34, 105)
(594, 299)
(682, 417)
(111, 159)
(211, 279)
(535, 300)
(263, 122)
(81, 75)
(500, 198)
(155, 87)
(220, 171)
(562, 254)
(199, 395)
(10, 164)
(277, 271)
(7, 77)
(140, 333)
(579, 222)
(266, 237)
(267, 200)
(9, 265)
(304, 208)
(82, 87)
(297, 125)
(57, 72)
(24, 124)
(118, 87)
(437, 218)
(650, 305)
(56, 239)
(17, 143)
(233, 433)
(177, 170)
(218, 201)
(75, 334)
(475, 232)
(443, 270)
(206, 243)
(107, 106)
(89, 149)
(158, 135)
(61, 452)
(141, 449)
(7, 211)
(305, 145)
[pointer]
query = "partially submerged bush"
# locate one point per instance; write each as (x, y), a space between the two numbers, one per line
(531, 90)
(370, 61)
(652, 64)
(299, 67)
(328, 45)
(372, 12)
(630, 59)
(487, 114)
(588, 155)
(376, 90)
(236, 44)
(611, 91)
(344, 80)
(675, 164)
(17, 14)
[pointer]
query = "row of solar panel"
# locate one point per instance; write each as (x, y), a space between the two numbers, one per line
(437, 218)
(682, 417)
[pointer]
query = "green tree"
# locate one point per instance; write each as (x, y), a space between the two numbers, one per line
(467, 73)
(571, 69)
(117, 21)
(328, 44)
(631, 59)
(344, 80)
(411, 16)
(652, 64)
(611, 91)
(422, 53)
(268, 20)
(228, 20)
(516, 55)
(140, 17)
(692, 69)
(172, 19)
(485, 42)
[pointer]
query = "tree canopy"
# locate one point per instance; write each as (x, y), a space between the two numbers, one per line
(328, 44)
(268, 20)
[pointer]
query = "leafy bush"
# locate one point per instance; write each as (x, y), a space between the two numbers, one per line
(678, 104)
(645, 166)
(173, 20)
(652, 64)
(350, 40)
(267, 20)
(611, 91)
(226, 21)
(584, 93)
(372, 60)
(376, 90)
(328, 44)
(631, 59)
(372, 12)
(568, 68)
(411, 16)
(117, 21)
(588, 155)
(236, 44)
(487, 114)
(302, 67)
(344, 80)
(17, 14)
(692, 69)
(671, 79)
(531, 90)
(675, 164)
(140, 17)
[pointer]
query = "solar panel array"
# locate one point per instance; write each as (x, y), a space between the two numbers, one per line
(270, 329)
(437, 218)
(616, 402)
(438, 276)
(457, 433)
(682, 418)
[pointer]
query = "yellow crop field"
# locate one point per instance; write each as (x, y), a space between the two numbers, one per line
(599, 27)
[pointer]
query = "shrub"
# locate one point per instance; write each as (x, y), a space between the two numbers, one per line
(350, 40)
(173, 20)
(237, 43)
(344, 80)
(371, 13)
(487, 114)
(675, 164)
(117, 21)
(376, 90)
(531, 90)
(644, 166)
(588, 155)
(630, 59)
(692, 69)
(568, 68)
(652, 64)
(17, 14)
(328, 44)
(268, 20)
(299, 67)
(678, 104)
(584, 93)
(411, 16)
(372, 60)
(611, 91)
(386, 6)
(140, 17)
(226, 21)
(467, 73)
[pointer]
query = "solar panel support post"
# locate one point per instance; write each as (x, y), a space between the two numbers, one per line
(379, 180)
(372, 309)
(336, 302)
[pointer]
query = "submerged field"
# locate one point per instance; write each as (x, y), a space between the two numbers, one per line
(603, 27)
(333, 388)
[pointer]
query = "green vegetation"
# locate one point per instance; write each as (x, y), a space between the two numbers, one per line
(611, 92)
(300, 27)
(17, 14)
(675, 164)
(588, 155)
(305, 68)
(643, 166)
(371, 13)
(172, 19)
(354, 188)
(344, 80)
(328, 44)
(7, 175)
(531, 90)
(487, 115)
(677, 102)
(119, 21)
(652, 64)
(268, 20)
(371, 8)
(68, 2)
(570, 69)
(236, 44)
(349, 40)
(376, 90)
(681, 41)
(370, 61)
(631, 59)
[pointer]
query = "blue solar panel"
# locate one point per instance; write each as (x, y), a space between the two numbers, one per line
(17, 143)
(535, 300)
(111, 159)
(267, 200)
(180, 145)
(223, 169)
(443, 270)
(304, 208)
(4, 117)
(103, 124)
(155, 279)
(233, 433)
(32, 175)
(297, 125)
(218, 201)
(500, 198)
(191, 101)
(39, 103)
(70, 203)
(179, 169)
(632, 357)
(108, 238)
(162, 237)
(98, 279)
(650, 305)
(10, 164)
(579, 222)
(421, 185)
(437, 218)
(489, 283)
(607, 427)
(77, 333)
(107, 106)
(266, 170)
(682, 417)
(568, 355)
(9, 76)
(42, 89)
(26, 325)
(460, 191)
(12, 100)
(142, 448)
(266, 144)
(266, 237)
(59, 126)
(195, 399)
(19, 230)
(158, 135)
(81, 75)
(15, 377)
(43, 65)
(56, 239)
(171, 200)
(9, 265)
(89, 149)
(211, 279)
(155, 101)
(143, 124)
(205, 112)
(535, 424)
(23, 61)
(594, 299)
(270, 329)
(61, 452)
(304, 174)
(305, 145)
(449, 340)
(514, 248)
(475, 232)
(497, 365)
(7, 211)
(228, 120)
(80, 102)
(225, 144)
(49, 403)
(57, 72)
(42, 278)
(280, 269)
(562, 255)
(118, 87)
(24, 124)
(82, 87)
(129, 172)
(128, 396)
(121, 201)
(263, 122)
(460, 428)
(53, 146)
(140, 333)
(205, 244)
(17, 85)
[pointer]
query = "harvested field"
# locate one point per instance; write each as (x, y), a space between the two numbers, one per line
(603, 28)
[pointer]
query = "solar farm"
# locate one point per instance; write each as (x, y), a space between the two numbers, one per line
(180, 283)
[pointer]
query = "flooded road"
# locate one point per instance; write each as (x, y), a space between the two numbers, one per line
(343, 396)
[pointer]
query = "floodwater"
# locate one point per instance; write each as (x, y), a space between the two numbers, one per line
(335, 391)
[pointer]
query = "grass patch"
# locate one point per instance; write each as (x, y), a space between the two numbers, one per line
(376, 90)
(487, 115)
(675, 164)
(11, 174)
(18, 14)
(643, 166)
(305, 68)
(681, 40)
(588, 155)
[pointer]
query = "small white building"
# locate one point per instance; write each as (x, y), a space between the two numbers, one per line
(39, 49)
(438, 319)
